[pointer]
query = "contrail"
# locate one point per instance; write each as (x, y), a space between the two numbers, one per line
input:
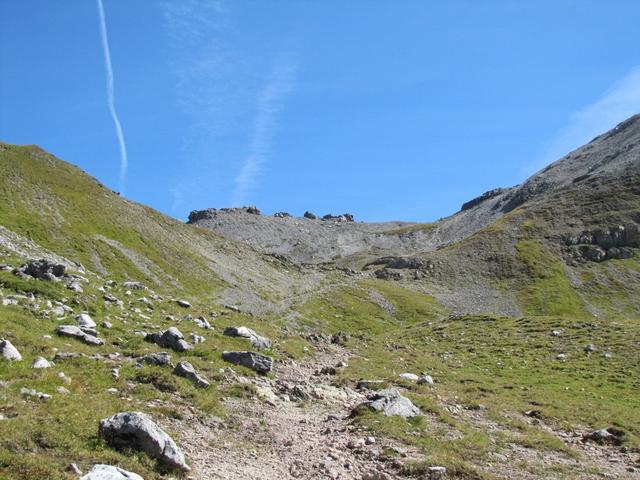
(269, 105)
(111, 97)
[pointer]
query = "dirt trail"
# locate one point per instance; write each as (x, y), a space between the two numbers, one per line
(267, 437)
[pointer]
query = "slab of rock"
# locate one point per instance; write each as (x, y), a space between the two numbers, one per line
(186, 370)
(135, 430)
(183, 303)
(256, 340)
(389, 402)
(255, 361)
(161, 359)
(9, 352)
(171, 338)
(109, 472)
(84, 320)
(77, 332)
(412, 377)
(41, 362)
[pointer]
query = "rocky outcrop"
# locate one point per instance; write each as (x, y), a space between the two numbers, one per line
(256, 340)
(604, 244)
(109, 472)
(42, 270)
(482, 198)
(255, 361)
(135, 430)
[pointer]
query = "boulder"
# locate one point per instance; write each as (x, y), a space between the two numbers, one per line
(186, 370)
(84, 320)
(160, 359)
(43, 270)
(171, 338)
(41, 362)
(256, 340)
(254, 361)
(77, 332)
(109, 472)
(8, 351)
(135, 430)
(310, 216)
(389, 402)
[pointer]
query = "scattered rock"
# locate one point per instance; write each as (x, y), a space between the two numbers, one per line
(409, 376)
(77, 332)
(197, 338)
(75, 286)
(160, 359)
(134, 286)
(109, 472)
(41, 362)
(389, 402)
(202, 323)
(256, 340)
(135, 430)
(30, 392)
(426, 380)
(610, 435)
(186, 370)
(255, 361)
(9, 352)
(171, 338)
(436, 473)
(183, 303)
(84, 320)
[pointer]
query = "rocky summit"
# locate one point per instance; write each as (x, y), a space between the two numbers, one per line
(500, 342)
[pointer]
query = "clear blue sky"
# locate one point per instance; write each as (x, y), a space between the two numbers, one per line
(387, 109)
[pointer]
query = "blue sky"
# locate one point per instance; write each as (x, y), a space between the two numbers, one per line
(390, 110)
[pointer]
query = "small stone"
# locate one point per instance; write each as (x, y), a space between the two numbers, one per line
(41, 362)
(183, 303)
(370, 440)
(436, 473)
(112, 391)
(426, 380)
(62, 390)
(107, 325)
(590, 348)
(409, 376)
(73, 468)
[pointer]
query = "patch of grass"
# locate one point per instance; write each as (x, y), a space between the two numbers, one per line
(547, 290)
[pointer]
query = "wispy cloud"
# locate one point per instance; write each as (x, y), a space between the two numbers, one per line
(270, 103)
(124, 163)
(621, 101)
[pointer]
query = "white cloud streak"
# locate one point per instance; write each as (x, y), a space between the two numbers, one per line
(124, 163)
(270, 103)
(620, 102)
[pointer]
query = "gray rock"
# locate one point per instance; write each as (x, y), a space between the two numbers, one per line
(426, 380)
(42, 269)
(610, 435)
(77, 332)
(9, 352)
(75, 286)
(310, 216)
(161, 359)
(412, 377)
(255, 361)
(41, 362)
(390, 402)
(135, 430)
(171, 338)
(202, 323)
(134, 286)
(256, 340)
(186, 370)
(436, 473)
(84, 320)
(109, 472)
(197, 338)
(183, 303)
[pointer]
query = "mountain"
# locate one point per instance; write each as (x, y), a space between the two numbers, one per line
(500, 342)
